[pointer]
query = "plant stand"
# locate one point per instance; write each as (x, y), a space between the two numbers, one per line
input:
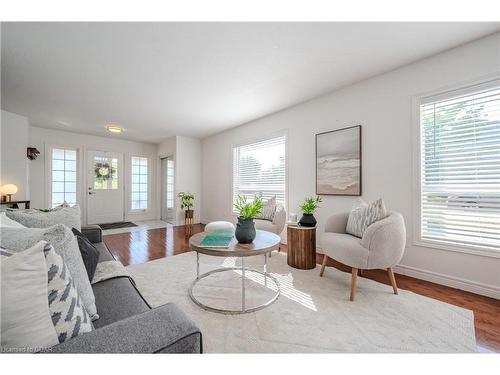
(189, 221)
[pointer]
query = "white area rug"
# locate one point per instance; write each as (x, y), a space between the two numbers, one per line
(313, 314)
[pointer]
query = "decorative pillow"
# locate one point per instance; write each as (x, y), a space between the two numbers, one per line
(65, 244)
(66, 308)
(40, 304)
(6, 222)
(363, 215)
(89, 253)
(268, 210)
(32, 218)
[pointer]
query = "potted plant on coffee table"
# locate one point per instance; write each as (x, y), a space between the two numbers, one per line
(308, 208)
(245, 228)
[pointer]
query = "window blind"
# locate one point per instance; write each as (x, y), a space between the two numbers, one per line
(260, 169)
(460, 169)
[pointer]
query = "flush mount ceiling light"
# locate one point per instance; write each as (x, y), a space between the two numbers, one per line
(114, 129)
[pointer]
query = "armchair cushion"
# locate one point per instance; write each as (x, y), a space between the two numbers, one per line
(345, 248)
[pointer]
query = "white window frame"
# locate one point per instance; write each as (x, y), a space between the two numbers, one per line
(281, 133)
(48, 172)
(149, 159)
(469, 87)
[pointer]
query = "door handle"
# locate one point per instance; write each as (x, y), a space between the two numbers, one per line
(90, 193)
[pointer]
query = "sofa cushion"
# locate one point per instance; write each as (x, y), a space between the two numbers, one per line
(65, 244)
(117, 299)
(104, 254)
(33, 218)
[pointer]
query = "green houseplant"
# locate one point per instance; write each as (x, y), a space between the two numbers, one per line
(245, 228)
(308, 208)
(187, 203)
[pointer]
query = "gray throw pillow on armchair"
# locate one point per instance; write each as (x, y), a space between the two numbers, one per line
(33, 218)
(65, 244)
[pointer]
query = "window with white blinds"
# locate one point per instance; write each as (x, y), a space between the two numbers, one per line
(260, 169)
(460, 168)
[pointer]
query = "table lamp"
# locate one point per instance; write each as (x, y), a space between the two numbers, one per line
(7, 191)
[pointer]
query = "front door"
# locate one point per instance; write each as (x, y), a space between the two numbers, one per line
(105, 187)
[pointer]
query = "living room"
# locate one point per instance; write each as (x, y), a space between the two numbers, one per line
(230, 187)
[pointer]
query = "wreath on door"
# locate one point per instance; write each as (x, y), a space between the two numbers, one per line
(104, 172)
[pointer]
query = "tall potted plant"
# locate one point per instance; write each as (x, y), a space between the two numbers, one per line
(245, 228)
(187, 203)
(308, 208)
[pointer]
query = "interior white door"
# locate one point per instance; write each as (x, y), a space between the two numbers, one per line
(167, 189)
(105, 187)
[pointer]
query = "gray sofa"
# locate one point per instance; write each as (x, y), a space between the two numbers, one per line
(127, 324)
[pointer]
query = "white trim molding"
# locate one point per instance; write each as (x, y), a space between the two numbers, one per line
(487, 290)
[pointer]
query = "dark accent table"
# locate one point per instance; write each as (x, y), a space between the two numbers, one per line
(15, 204)
(301, 247)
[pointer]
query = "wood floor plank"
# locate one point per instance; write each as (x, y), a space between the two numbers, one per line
(145, 245)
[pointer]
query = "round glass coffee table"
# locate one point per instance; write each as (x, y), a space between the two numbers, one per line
(264, 243)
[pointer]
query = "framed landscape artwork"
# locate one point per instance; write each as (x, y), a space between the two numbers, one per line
(338, 162)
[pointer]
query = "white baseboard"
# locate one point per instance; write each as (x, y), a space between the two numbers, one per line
(451, 281)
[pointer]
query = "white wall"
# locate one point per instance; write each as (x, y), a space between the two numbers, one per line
(44, 138)
(14, 133)
(187, 171)
(383, 106)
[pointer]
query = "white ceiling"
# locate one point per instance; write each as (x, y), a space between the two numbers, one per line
(196, 79)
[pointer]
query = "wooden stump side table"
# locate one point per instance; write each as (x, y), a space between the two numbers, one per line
(301, 247)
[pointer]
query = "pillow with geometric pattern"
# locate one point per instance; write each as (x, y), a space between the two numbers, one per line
(363, 215)
(40, 303)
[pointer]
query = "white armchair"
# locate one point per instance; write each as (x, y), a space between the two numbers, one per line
(382, 246)
(276, 226)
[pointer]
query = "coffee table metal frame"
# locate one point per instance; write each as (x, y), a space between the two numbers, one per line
(244, 309)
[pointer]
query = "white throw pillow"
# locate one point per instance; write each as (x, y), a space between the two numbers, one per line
(7, 222)
(363, 215)
(40, 304)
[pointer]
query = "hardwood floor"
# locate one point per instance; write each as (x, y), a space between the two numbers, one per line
(143, 246)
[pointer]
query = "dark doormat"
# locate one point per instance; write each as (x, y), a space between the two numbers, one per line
(121, 224)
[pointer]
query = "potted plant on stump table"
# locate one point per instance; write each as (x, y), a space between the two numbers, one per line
(308, 208)
(245, 228)
(187, 203)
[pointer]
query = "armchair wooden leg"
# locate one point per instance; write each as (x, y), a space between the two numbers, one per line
(354, 278)
(323, 265)
(390, 271)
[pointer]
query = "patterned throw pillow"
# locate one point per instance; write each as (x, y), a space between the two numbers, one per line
(66, 308)
(363, 215)
(269, 209)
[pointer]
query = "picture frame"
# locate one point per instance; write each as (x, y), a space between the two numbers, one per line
(339, 162)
